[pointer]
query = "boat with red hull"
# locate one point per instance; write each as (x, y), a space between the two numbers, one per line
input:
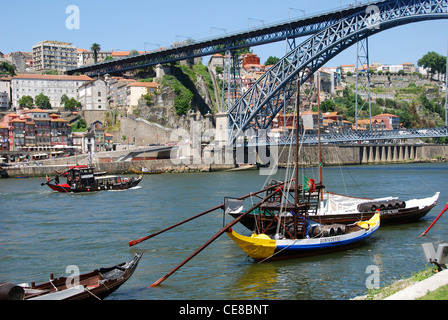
(83, 178)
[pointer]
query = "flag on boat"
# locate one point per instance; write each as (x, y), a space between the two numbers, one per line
(309, 184)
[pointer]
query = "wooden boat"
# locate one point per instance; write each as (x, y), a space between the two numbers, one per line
(95, 285)
(315, 239)
(84, 179)
(337, 208)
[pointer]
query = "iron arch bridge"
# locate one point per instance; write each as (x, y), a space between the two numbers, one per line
(256, 109)
(281, 31)
(374, 136)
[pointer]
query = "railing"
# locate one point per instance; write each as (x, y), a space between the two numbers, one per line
(354, 136)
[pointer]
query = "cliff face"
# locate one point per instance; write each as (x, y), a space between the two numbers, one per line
(156, 119)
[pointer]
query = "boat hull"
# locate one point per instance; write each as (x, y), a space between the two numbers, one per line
(388, 217)
(263, 248)
(65, 188)
(95, 285)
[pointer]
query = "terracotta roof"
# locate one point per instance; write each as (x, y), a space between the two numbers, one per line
(52, 77)
(144, 84)
(36, 110)
(386, 115)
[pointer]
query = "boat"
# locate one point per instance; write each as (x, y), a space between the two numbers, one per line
(82, 178)
(315, 239)
(338, 208)
(290, 231)
(95, 285)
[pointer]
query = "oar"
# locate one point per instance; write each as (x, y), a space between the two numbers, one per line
(134, 242)
(435, 220)
(220, 232)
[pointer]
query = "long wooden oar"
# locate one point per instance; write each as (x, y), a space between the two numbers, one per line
(134, 242)
(220, 232)
(435, 220)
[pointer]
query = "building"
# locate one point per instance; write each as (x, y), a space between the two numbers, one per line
(54, 55)
(345, 68)
(391, 121)
(86, 57)
(53, 86)
(93, 95)
(136, 90)
(5, 93)
(36, 129)
(118, 91)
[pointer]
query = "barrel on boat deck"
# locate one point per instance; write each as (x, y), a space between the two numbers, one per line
(11, 291)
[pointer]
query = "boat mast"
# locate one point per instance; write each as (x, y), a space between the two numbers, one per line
(318, 134)
(296, 161)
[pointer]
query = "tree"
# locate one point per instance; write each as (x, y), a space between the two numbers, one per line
(434, 62)
(42, 101)
(26, 102)
(271, 60)
(133, 52)
(6, 68)
(72, 104)
(95, 48)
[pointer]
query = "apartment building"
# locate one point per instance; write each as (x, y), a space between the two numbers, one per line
(93, 95)
(54, 55)
(53, 86)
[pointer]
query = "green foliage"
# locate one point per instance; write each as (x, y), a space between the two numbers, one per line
(433, 61)
(271, 60)
(95, 48)
(80, 125)
(6, 68)
(42, 101)
(51, 72)
(26, 102)
(183, 94)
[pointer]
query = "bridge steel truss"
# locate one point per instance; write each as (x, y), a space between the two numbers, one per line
(272, 33)
(256, 109)
(354, 137)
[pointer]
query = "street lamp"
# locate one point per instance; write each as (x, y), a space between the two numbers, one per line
(154, 44)
(225, 30)
(248, 21)
(289, 11)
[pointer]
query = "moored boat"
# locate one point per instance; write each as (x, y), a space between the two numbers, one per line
(84, 179)
(95, 285)
(337, 208)
(316, 239)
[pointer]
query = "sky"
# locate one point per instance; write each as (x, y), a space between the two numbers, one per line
(123, 25)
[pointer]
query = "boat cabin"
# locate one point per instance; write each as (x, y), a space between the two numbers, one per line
(81, 176)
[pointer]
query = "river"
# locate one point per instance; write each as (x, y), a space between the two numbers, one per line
(43, 232)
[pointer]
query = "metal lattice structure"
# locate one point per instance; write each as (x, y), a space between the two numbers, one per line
(260, 104)
(281, 31)
(356, 136)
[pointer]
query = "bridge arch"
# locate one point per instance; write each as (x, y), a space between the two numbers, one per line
(260, 104)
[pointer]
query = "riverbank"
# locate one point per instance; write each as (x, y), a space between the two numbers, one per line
(421, 285)
(332, 155)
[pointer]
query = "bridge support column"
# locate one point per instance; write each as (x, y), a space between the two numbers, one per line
(406, 153)
(221, 128)
(383, 154)
(364, 158)
(411, 153)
